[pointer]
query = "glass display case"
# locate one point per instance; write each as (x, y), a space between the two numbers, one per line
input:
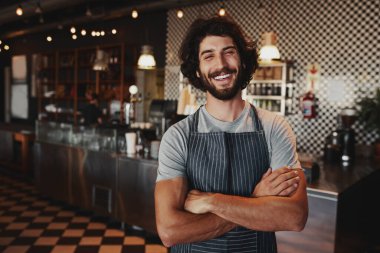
(81, 136)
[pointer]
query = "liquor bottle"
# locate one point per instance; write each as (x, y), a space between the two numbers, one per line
(139, 143)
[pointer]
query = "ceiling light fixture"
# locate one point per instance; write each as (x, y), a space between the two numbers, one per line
(179, 13)
(269, 50)
(134, 14)
(19, 10)
(222, 10)
(146, 59)
(88, 12)
(38, 9)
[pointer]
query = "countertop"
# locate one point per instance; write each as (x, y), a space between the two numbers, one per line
(334, 179)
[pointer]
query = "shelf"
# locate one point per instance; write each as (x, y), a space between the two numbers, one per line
(86, 81)
(266, 97)
(266, 81)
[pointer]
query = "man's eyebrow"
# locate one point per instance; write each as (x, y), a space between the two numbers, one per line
(212, 50)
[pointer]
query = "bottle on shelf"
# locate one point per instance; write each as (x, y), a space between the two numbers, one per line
(139, 143)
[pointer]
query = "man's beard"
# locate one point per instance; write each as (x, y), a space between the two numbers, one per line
(222, 94)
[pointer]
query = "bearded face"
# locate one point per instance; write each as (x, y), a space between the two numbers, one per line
(219, 66)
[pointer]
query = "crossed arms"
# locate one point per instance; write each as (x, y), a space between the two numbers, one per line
(278, 202)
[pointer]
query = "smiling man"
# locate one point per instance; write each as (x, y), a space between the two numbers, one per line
(228, 175)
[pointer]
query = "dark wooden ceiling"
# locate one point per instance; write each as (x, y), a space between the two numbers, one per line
(57, 13)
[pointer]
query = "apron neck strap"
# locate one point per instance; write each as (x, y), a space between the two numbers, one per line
(256, 121)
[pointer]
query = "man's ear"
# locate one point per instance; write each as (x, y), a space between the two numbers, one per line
(198, 75)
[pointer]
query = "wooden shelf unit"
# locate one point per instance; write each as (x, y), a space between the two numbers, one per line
(64, 77)
(272, 87)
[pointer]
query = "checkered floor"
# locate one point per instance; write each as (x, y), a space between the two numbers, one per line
(31, 223)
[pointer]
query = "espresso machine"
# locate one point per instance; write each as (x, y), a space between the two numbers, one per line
(348, 118)
(340, 144)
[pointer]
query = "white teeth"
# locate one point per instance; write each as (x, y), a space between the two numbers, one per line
(221, 77)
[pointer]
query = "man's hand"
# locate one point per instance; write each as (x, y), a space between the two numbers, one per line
(197, 202)
(281, 182)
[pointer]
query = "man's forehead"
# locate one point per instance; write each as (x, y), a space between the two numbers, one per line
(215, 41)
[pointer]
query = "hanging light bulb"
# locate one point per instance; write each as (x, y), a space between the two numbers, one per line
(114, 31)
(1, 42)
(222, 10)
(83, 32)
(72, 29)
(180, 13)
(19, 11)
(134, 14)
(269, 50)
(6, 47)
(146, 59)
(74, 36)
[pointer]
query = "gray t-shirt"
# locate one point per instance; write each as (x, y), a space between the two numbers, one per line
(279, 136)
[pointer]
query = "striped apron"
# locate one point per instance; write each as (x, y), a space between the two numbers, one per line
(228, 163)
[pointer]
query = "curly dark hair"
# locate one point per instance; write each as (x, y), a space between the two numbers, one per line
(217, 26)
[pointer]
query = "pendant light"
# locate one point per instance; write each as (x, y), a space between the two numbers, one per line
(146, 59)
(269, 50)
(101, 61)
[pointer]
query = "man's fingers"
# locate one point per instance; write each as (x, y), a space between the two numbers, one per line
(289, 185)
(279, 172)
(288, 191)
(267, 173)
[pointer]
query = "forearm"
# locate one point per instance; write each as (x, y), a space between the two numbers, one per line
(184, 227)
(270, 213)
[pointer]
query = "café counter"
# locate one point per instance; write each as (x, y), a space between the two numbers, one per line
(343, 214)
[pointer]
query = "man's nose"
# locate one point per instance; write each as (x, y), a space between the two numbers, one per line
(221, 61)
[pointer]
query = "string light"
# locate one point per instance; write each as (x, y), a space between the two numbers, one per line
(6, 47)
(83, 32)
(19, 11)
(1, 42)
(74, 36)
(73, 30)
(134, 14)
(114, 31)
(102, 33)
(93, 33)
(49, 38)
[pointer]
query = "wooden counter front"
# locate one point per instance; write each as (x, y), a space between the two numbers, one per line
(343, 214)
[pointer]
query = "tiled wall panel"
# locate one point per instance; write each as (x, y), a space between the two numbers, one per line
(342, 36)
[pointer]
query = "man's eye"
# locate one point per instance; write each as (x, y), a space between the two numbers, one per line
(230, 52)
(208, 57)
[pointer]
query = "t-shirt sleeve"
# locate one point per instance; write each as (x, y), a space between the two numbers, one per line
(283, 142)
(172, 153)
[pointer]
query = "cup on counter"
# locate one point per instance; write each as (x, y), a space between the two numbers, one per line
(154, 147)
(130, 139)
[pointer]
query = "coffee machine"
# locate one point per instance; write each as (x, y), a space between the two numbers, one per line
(340, 144)
(348, 118)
